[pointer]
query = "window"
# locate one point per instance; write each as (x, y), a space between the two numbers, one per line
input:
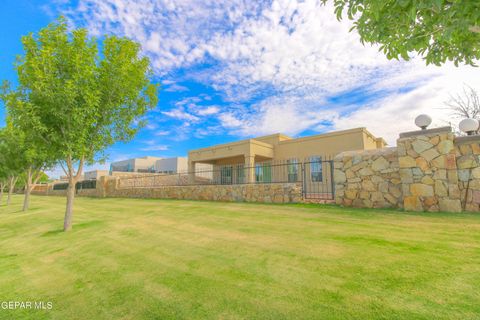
(226, 175)
(316, 172)
(263, 172)
(292, 170)
(240, 174)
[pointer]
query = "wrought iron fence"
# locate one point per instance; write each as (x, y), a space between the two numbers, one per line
(314, 175)
(85, 184)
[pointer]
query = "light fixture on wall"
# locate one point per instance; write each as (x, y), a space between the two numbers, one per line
(469, 126)
(423, 121)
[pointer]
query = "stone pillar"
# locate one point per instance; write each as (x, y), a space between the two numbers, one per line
(468, 163)
(249, 169)
(428, 170)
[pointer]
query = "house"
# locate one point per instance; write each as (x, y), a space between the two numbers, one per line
(278, 157)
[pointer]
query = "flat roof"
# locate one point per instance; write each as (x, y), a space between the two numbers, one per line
(287, 138)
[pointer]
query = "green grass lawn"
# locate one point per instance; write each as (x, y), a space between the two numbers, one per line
(166, 259)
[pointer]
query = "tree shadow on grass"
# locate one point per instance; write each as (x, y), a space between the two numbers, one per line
(52, 233)
(78, 226)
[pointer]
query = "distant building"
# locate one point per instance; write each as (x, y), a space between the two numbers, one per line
(171, 165)
(143, 164)
(154, 165)
(95, 174)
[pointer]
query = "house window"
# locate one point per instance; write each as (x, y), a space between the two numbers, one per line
(226, 175)
(292, 167)
(263, 172)
(316, 173)
(240, 174)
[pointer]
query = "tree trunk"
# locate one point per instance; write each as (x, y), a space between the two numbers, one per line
(2, 186)
(72, 180)
(67, 223)
(11, 187)
(26, 200)
(30, 183)
(26, 196)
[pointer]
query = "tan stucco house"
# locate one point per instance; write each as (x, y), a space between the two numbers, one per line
(261, 154)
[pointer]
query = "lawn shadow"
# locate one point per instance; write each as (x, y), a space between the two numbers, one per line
(52, 233)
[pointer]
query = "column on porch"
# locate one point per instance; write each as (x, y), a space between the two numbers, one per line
(249, 168)
(191, 172)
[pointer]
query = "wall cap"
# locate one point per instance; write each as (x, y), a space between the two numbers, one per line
(466, 139)
(425, 132)
(370, 152)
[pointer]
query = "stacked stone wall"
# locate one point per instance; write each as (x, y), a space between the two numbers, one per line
(429, 170)
(468, 163)
(266, 193)
(368, 179)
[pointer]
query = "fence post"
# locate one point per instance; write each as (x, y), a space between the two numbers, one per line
(304, 180)
(332, 183)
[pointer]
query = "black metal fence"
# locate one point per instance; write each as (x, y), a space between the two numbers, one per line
(314, 175)
(86, 184)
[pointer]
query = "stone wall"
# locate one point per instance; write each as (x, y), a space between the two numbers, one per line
(268, 193)
(468, 163)
(368, 179)
(429, 170)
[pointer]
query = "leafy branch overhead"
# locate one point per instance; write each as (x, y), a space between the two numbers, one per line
(438, 30)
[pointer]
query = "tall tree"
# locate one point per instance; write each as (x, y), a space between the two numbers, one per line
(33, 151)
(80, 101)
(439, 30)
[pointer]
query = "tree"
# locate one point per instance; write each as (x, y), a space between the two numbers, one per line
(465, 104)
(11, 158)
(79, 101)
(438, 30)
(32, 152)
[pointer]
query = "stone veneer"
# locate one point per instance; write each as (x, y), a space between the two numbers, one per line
(429, 170)
(468, 164)
(368, 179)
(267, 193)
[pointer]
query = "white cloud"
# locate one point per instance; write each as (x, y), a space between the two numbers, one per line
(180, 114)
(208, 111)
(280, 61)
(155, 148)
(162, 133)
(395, 113)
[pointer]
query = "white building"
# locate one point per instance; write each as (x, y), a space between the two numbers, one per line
(95, 174)
(142, 164)
(157, 165)
(171, 165)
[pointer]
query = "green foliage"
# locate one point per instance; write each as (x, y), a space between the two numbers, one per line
(438, 30)
(75, 100)
(13, 160)
(22, 178)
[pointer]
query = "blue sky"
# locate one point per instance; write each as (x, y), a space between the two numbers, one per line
(236, 69)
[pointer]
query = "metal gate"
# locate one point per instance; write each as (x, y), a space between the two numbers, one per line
(317, 179)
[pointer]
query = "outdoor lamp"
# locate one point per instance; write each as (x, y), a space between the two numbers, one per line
(423, 121)
(469, 126)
